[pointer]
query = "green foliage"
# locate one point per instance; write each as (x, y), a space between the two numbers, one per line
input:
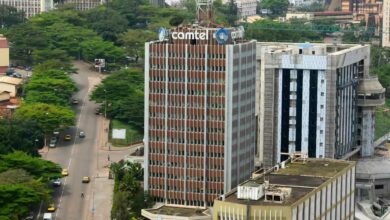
(38, 168)
(62, 88)
(382, 120)
(20, 135)
(131, 9)
(129, 197)
(380, 65)
(134, 42)
(313, 7)
(23, 183)
(132, 134)
(54, 64)
(41, 56)
(124, 93)
(278, 7)
(48, 117)
(278, 31)
(107, 22)
(10, 16)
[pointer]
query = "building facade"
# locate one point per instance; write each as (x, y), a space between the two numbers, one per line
(199, 114)
(83, 4)
(4, 55)
(315, 189)
(30, 7)
(386, 24)
(246, 8)
(317, 99)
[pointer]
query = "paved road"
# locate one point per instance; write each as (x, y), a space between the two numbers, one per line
(78, 155)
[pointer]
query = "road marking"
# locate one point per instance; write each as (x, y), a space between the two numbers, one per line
(73, 146)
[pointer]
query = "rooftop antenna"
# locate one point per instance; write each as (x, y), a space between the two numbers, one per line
(204, 12)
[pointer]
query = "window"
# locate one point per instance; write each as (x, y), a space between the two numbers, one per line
(379, 186)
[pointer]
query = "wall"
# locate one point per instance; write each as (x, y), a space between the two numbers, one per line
(4, 57)
(9, 88)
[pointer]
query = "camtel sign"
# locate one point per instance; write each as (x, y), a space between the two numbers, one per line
(189, 35)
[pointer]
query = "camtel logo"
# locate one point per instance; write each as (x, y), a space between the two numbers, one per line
(162, 33)
(222, 36)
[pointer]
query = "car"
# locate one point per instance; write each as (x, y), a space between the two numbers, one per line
(17, 75)
(97, 111)
(47, 216)
(67, 137)
(51, 207)
(82, 134)
(75, 101)
(56, 133)
(10, 71)
(56, 182)
(53, 142)
(64, 172)
(86, 179)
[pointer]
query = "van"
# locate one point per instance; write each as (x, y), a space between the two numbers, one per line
(48, 216)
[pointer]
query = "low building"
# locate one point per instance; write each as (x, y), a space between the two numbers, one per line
(371, 171)
(299, 15)
(168, 212)
(4, 54)
(4, 96)
(30, 7)
(246, 8)
(84, 4)
(297, 190)
(10, 84)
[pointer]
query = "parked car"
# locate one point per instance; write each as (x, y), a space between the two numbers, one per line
(56, 182)
(75, 101)
(51, 208)
(10, 71)
(53, 142)
(48, 216)
(17, 75)
(97, 111)
(82, 134)
(67, 137)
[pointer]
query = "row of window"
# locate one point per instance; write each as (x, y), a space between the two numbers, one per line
(189, 79)
(182, 54)
(180, 67)
(189, 129)
(192, 178)
(192, 190)
(209, 105)
(189, 165)
(180, 140)
(182, 153)
(189, 92)
(189, 117)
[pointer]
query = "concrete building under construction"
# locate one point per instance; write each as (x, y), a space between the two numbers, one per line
(317, 99)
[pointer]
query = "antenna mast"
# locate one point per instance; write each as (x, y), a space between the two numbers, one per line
(204, 12)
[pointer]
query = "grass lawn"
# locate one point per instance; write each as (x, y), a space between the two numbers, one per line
(132, 134)
(382, 122)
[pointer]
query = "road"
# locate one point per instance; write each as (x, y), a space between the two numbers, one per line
(79, 155)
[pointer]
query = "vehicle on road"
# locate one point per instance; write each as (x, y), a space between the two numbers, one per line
(56, 133)
(48, 216)
(86, 179)
(56, 182)
(64, 172)
(67, 137)
(75, 101)
(53, 142)
(16, 75)
(51, 207)
(82, 134)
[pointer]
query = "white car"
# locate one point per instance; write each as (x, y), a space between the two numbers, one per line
(57, 182)
(53, 142)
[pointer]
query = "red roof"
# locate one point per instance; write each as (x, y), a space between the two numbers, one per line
(333, 13)
(3, 43)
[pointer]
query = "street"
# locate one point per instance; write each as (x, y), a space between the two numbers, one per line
(79, 155)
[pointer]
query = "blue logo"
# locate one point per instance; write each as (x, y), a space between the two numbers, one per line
(162, 33)
(222, 35)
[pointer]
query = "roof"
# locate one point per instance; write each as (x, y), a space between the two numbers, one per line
(302, 178)
(178, 211)
(370, 85)
(11, 80)
(326, 13)
(3, 42)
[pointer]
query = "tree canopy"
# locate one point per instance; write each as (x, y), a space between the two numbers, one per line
(277, 7)
(10, 16)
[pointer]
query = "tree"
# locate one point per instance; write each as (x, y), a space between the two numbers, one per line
(41, 56)
(107, 22)
(134, 42)
(122, 93)
(23, 135)
(54, 64)
(62, 88)
(48, 117)
(131, 9)
(10, 16)
(277, 7)
(97, 48)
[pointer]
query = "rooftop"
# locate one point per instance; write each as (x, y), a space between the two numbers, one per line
(373, 168)
(11, 80)
(301, 177)
(178, 211)
(3, 42)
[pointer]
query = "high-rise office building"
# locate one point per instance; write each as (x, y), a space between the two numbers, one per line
(30, 7)
(317, 99)
(386, 24)
(83, 4)
(199, 113)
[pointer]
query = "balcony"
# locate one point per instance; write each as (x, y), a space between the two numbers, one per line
(370, 92)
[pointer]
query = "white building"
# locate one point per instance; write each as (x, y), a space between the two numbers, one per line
(317, 99)
(30, 7)
(84, 4)
(246, 8)
(386, 24)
